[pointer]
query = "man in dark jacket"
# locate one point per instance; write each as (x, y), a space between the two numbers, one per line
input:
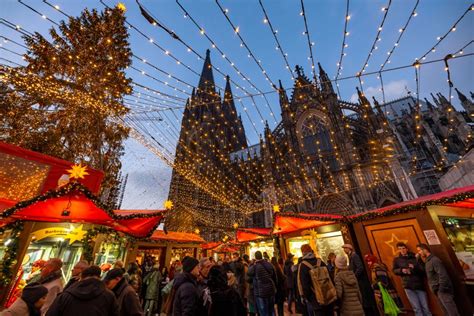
(238, 268)
(357, 266)
(127, 297)
(76, 273)
(287, 270)
(306, 285)
(264, 283)
(412, 273)
(438, 280)
(89, 296)
(186, 293)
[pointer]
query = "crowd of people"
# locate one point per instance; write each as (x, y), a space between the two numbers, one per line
(239, 286)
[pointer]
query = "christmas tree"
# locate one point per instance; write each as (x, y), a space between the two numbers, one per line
(67, 101)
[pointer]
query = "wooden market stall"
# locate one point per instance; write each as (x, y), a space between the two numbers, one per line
(69, 223)
(256, 239)
(444, 221)
(165, 247)
(325, 233)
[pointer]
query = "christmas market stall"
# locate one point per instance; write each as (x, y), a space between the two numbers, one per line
(165, 247)
(256, 239)
(325, 233)
(444, 221)
(69, 223)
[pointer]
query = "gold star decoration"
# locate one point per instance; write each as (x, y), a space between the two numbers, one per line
(168, 204)
(77, 171)
(235, 225)
(276, 208)
(122, 7)
(392, 243)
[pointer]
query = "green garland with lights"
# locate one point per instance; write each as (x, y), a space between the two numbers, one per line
(9, 258)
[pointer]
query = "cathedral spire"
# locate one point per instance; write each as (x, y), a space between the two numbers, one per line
(362, 99)
(436, 101)
(461, 96)
(206, 82)
(326, 85)
(429, 104)
(228, 97)
(377, 106)
(283, 96)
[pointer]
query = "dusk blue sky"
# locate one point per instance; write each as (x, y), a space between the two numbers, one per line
(148, 176)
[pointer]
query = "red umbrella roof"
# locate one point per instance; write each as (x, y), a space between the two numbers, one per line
(182, 237)
(74, 203)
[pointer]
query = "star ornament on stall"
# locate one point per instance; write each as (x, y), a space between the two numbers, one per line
(276, 208)
(168, 205)
(392, 243)
(77, 172)
(122, 7)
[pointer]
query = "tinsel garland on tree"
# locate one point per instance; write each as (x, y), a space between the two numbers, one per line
(9, 258)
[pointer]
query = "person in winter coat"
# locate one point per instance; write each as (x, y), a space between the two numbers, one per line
(152, 282)
(250, 293)
(357, 266)
(347, 289)
(133, 276)
(264, 285)
(89, 296)
(52, 279)
(186, 300)
(299, 307)
(30, 303)
(306, 285)
(224, 300)
(379, 274)
(411, 270)
(280, 287)
(290, 289)
(127, 297)
(331, 264)
(238, 268)
(438, 280)
(76, 273)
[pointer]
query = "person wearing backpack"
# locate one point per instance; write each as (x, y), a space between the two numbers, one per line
(315, 285)
(350, 299)
(264, 282)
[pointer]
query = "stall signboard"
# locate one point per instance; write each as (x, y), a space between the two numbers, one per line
(71, 234)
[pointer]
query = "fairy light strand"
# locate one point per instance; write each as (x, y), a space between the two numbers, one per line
(377, 38)
(274, 33)
(344, 45)
(401, 31)
(440, 39)
(308, 39)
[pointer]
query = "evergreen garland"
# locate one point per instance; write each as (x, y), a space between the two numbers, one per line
(9, 259)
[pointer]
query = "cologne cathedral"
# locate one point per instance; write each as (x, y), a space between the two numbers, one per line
(325, 156)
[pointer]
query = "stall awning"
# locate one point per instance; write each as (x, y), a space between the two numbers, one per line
(180, 237)
(251, 234)
(290, 222)
(460, 197)
(74, 203)
(210, 245)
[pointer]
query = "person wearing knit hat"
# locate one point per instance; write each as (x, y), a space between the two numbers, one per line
(186, 298)
(189, 263)
(341, 262)
(347, 288)
(30, 302)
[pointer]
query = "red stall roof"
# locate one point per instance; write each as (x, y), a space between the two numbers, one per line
(459, 197)
(181, 237)
(290, 222)
(43, 169)
(252, 234)
(76, 204)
